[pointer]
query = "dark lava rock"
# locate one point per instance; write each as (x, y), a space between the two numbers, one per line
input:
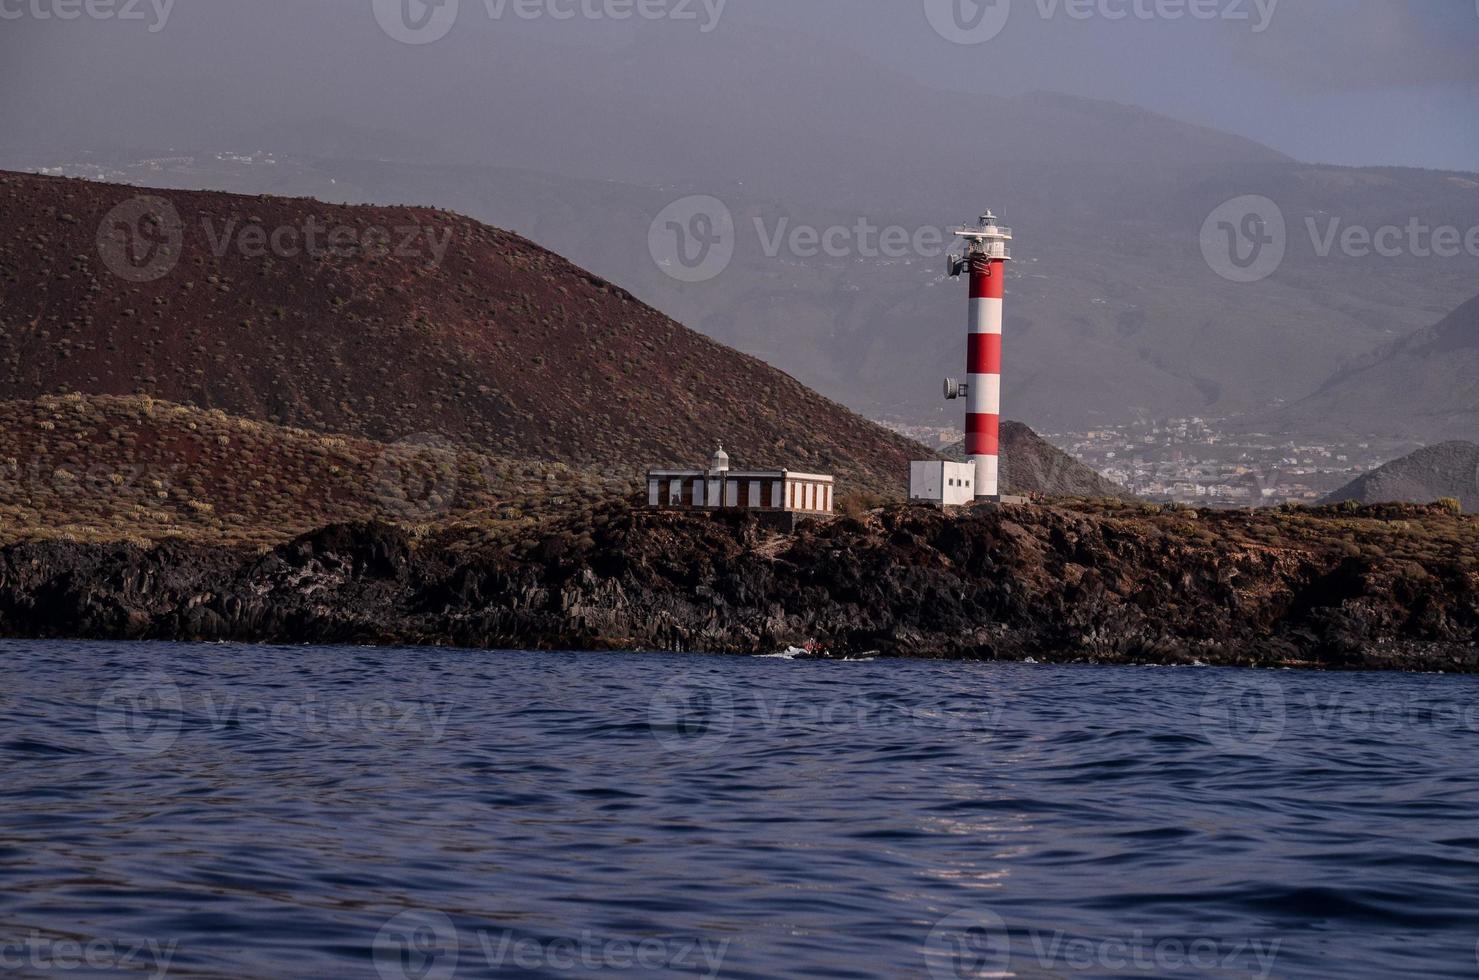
(1069, 582)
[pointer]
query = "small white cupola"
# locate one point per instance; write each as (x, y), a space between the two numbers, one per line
(720, 462)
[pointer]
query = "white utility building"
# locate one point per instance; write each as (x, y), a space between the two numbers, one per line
(942, 483)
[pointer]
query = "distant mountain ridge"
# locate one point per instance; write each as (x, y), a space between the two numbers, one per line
(1450, 469)
(1424, 386)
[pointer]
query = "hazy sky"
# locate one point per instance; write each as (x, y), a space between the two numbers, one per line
(1340, 81)
(1356, 82)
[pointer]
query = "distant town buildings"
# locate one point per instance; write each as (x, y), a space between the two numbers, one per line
(1212, 463)
(1207, 462)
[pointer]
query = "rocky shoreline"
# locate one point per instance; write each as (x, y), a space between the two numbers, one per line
(1104, 583)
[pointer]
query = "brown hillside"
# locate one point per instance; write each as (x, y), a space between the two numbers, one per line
(1424, 386)
(500, 345)
(1450, 469)
(115, 468)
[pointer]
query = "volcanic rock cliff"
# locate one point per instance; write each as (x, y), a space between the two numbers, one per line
(1106, 583)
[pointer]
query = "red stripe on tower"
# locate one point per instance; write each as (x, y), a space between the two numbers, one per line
(984, 354)
(988, 280)
(982, 435)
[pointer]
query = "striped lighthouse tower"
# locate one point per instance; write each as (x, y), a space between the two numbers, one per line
(985, 259)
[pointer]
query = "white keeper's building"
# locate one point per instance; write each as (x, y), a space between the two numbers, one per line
(720, 488)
